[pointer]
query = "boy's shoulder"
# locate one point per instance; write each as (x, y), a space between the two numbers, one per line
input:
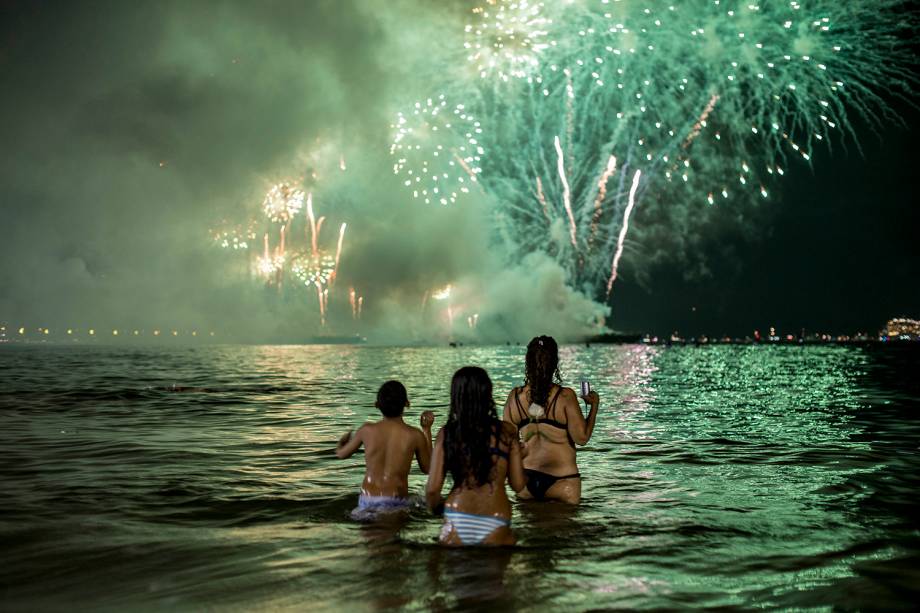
(391, 425)
(410, 432)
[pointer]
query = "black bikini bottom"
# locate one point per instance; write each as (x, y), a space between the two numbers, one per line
(538, 482)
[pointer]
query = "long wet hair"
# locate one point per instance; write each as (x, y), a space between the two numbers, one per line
(541, 368)
(469, 427)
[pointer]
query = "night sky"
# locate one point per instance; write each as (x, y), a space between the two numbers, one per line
(839, 253)
(127, 129)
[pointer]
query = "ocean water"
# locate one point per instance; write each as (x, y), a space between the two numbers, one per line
(204, 478)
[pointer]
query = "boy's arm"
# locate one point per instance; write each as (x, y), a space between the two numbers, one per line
(423, 448)
(349, 443)
(436, 474)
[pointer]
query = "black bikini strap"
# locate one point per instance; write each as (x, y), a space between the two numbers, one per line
(552, 405)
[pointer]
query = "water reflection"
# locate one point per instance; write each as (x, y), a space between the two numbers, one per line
(717, 476)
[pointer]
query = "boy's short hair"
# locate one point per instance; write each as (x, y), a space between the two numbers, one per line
(392, 399)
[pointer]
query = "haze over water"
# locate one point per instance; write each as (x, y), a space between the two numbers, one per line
(188, 478)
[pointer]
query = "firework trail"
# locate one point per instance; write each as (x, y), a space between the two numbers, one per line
(695, 131)
(566, 195)
(542, 200)
(615, 264)
(601, 196)
(312, 225)
(322, 305)
(338, 251)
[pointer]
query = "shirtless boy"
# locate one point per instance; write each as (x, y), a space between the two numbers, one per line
(389, 445)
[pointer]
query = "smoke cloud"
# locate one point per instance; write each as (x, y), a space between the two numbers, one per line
(131, 131)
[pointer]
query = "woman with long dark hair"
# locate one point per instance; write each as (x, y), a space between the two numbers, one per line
(480, 453)
(549, 419)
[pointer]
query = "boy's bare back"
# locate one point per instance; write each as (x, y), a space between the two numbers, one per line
(389, 446)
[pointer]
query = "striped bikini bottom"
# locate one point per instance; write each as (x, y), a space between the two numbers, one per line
(472, 529)
(371, 508)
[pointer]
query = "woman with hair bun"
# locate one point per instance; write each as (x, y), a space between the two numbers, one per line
(550, 422)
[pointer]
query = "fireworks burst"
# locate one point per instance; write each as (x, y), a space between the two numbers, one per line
(507, 39)
(292, 251)
(282, 202)
(235, 238)
(437, 150)
(269, 266)
(709, 100)
(312, 269)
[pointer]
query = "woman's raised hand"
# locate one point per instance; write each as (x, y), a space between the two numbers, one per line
(592, 398)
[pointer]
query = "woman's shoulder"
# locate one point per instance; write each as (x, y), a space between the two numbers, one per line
(563, 391)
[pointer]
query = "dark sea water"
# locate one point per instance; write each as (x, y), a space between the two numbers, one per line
(204, 478)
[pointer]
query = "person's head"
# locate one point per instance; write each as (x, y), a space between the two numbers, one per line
(541, 368)
(392, 399)
(470, 425)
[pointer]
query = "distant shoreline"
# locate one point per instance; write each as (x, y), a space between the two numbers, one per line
(607, 339)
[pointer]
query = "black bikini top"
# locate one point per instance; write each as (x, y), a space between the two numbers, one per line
(549, 420)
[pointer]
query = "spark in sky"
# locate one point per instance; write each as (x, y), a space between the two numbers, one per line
(236, 237)
(268, 266)
(282, 202)
(507, 38)
(442, 293)
(316, 270)
(437, 149)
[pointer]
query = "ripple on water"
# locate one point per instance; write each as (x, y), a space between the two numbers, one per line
(717, 476)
